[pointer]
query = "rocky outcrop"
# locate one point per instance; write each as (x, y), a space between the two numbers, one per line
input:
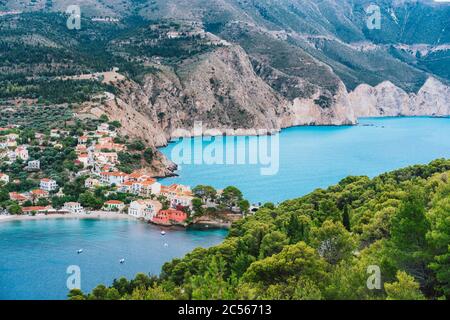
(308, 112)
(386, 99)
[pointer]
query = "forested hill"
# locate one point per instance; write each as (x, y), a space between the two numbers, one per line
(326, 245)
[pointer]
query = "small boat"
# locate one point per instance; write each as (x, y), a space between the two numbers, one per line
(122, 260)
(166, 244)
(163, 232)
(80, 251)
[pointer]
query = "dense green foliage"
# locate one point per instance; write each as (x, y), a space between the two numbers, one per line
(52, 92)
(322, 246)
(37, 117)
(36, 49)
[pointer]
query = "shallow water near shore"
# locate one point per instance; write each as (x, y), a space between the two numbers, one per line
(317, 157)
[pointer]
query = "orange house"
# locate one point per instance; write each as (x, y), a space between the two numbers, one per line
(170, 216)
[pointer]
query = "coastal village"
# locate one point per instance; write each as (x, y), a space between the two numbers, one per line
(101, 177)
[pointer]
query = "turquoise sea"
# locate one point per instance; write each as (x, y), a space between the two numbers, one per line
(35, 254)
(317, 157)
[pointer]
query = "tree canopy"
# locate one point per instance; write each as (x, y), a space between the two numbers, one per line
(330, 244)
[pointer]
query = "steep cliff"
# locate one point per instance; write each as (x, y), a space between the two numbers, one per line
(386, 99)
(222, 90)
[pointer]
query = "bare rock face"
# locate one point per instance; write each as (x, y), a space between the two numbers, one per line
(221, 90)
(432, 99)
(386, 99)
(308, 112)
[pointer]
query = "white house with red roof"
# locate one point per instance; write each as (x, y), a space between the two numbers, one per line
(103, 127)
(80, 148)
(146, 188)
(37, 209)
(39, 194)
(178, 195)
(144, 209)
(114, 205)
(20, 198)
(109, 146)
(125, 187)
(21, 152)
(83, 139)
(106, 157)
(137, 176)
(104, 140)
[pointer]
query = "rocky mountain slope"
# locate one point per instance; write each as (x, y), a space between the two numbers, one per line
(220, 89)
(235, 64)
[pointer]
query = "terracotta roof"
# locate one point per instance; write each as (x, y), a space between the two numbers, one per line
(39, 191)
(113, 202)
(35, 208)
(115, 174)
(179, 189)
(148, 182)
(17, 196)
(136, 175)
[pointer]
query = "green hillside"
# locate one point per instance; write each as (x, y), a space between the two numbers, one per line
(321, 246)
(328, 32)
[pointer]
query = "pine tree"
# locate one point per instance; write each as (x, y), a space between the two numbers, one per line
(346, 218)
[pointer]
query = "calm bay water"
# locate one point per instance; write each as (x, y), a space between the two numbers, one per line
(317, 157)
(35, 254)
